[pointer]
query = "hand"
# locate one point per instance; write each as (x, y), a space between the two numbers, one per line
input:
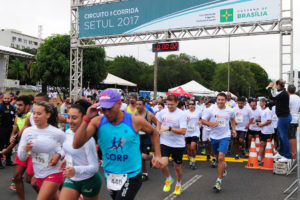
(234, 134)
(271, 85)
(28, 146)
(200, 123)
(69, 172)
(188, 119)
(260, 125)
(53, 161)
(12, 139)
(247, 127)
(158, 162)
(92, 111)
(214, 124)
(163, 130)
(62, 165)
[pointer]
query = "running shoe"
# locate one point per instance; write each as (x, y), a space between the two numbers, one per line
(237, 156)
(217, 187)
(177, 190)
(144, 177)
(213, 163)
(167, 185)
(207, 157)
(12, 186)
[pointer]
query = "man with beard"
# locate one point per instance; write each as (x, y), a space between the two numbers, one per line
(7, 116)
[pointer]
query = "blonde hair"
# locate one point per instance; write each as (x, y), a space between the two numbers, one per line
(281, 82)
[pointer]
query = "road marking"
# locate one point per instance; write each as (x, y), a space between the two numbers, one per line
(184, 186)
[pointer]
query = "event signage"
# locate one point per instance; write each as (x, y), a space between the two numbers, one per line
(165, 47)
(135, 16)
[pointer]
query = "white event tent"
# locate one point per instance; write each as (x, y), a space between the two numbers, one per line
(114, 80)
(195, 88)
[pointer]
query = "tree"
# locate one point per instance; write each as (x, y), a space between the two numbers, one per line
(206, 69)
(17, 70)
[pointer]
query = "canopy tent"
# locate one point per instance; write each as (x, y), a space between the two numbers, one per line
(114, 80)
(14, 52)
(232, 95)
(195, 88)
(180, 92)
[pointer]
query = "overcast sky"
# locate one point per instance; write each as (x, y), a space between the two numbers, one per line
(54, 16)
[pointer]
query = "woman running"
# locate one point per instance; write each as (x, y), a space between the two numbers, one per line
(44, 143)
(80, 166)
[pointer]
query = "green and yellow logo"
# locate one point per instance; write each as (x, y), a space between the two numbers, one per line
(226, 15)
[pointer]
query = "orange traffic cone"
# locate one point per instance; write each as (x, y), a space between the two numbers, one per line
(273, 147)
(252, 161)
(268, 160)
(257, 143)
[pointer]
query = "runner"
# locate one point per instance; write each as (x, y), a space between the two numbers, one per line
(172, 125)
(119, 143)
(80, 166)
(294, 108)
(145, 139)
(219, 117)
(243, 119)
(253, 128)
(230, 102)
(193, 132)
(132, 103)
(44, 142)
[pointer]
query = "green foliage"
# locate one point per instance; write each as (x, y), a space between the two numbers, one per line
(17, 70)
(206, 69)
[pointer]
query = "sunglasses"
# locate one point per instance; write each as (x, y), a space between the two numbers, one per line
(191, 104)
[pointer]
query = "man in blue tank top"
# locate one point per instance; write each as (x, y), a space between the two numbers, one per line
(119, 141)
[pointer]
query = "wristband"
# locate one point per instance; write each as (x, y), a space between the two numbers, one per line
(170, 129)
(86, 119)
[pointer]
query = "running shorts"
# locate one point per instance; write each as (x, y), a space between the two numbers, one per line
(189, 140)
(241, 134)
(56, 178)
(292, 131)
(27, 163)
(88, 188)
(129, 189)
(175, 152)
(145, 148)
(265, 137)
(220, 145)
(253, 133)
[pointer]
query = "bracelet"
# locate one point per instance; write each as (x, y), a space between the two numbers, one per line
(170, 129)
(86, 119)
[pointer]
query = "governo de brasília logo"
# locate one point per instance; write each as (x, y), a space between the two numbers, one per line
(226, 15)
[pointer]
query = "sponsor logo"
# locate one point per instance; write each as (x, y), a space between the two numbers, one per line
(104, 97)
(226, 15)
(117, 143)
(87, 191)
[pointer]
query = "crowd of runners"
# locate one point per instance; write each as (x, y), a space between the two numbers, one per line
(61, 151)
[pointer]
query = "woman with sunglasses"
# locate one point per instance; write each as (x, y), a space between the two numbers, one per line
(80, 166)
(43, 141)
(193, 132)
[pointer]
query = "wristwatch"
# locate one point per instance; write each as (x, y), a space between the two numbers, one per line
(170, 129)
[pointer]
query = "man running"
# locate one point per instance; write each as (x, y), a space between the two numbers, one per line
(219, 117)
(145, 139)
(119, 141)
(253, 128)
(172, 125)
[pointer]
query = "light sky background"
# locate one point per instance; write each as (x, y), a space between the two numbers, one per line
(54, 16)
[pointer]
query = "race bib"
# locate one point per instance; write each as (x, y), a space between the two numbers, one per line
(142, 133)
(168, 133)
(254, 125)
(69, 161)
(239, 119)
(190, 128)
(40, 159)
(221, 122)
(116, 181)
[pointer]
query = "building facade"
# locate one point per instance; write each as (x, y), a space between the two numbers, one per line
(16, 39)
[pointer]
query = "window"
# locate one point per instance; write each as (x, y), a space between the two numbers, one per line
(14, 38)
(30, 42)
(17, 46)
(20, 39)
(35, 43)
(12, 45)
(25, 41)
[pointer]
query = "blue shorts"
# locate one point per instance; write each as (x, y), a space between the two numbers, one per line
(220, 145)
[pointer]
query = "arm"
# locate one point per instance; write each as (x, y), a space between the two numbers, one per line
(232, 122)
(22, 154)
(250, 122)
(210, 124)
(265, 124)
(180, 131)
(153, 119)
(14, 132)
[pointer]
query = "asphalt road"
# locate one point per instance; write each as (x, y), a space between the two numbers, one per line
(239, 184)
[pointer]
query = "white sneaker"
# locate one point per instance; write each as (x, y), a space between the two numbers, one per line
(284, 159)
(277, 156)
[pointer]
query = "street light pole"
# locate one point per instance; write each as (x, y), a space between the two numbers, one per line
(228, 77)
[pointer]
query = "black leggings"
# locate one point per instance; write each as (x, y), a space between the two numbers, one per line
(129, 189)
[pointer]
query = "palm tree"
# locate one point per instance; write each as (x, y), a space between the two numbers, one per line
(17, 70)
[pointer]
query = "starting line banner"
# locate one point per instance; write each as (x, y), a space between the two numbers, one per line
(133, 16)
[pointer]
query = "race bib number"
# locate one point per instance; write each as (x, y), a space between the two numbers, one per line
(116, 181)
(190, 128)
(40, 159)
(168, 133)
(69, 161)
(221, 122)
(142, 133)
(239, 119)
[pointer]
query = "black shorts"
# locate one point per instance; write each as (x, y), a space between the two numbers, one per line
(253, 133)
(176, 153)
(241, 134)
(265, 137)
(145, 148)
(129, 189)
(292, 131)
(189, 140)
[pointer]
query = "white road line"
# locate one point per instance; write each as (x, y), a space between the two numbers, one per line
(184, 186)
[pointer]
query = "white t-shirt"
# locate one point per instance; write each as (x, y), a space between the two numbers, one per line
(222, 116)
(123, 107)
(84, 160)
(176, 119)
(256, 117)
(294, 108)
(274, 117)
(242, 118)
(193, 128)
(231, 103)
(265, 115)
(46, 143)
